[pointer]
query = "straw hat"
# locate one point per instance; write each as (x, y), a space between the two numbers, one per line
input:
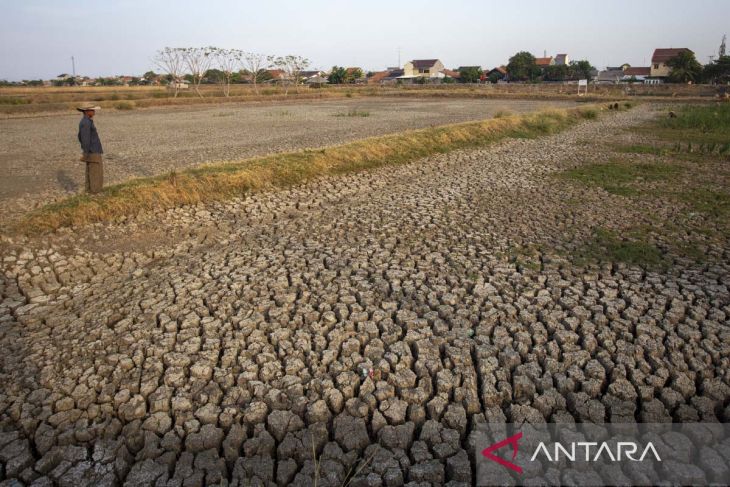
(87, 106)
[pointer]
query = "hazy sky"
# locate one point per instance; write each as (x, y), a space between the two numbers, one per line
(107, 37)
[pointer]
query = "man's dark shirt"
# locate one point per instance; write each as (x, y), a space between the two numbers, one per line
(88, 137)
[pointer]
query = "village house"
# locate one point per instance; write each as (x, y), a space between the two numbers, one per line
(307, 75)
(423, 68)
(497, 74)
(544, 62)
(316, 81)
(562, 60)
(275, 76)
(612, 75)
(624, 74)
(451, 73)
(659, 67)
(389, 76)
(640, 74)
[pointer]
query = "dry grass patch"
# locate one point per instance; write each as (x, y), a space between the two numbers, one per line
(234, 179)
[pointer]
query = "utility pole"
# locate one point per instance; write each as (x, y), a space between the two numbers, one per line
(73, 66)
(398, 57)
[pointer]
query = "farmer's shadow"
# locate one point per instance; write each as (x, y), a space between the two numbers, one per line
(66, 182)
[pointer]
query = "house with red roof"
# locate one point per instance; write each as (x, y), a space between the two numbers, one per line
(659, 67)
(544, 62)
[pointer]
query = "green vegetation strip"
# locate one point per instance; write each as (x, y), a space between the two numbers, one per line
(618, 177)
(686, 169)
(695, 127)
(634, 248)
(229, 180)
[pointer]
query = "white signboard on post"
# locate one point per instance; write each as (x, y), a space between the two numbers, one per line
(582, 83)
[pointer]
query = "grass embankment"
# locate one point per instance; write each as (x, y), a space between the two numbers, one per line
(228, 180)
(683, 165)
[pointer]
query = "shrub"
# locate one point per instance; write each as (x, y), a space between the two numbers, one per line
(124, 105)
(11, 100)
(353, 113)
(589, 113)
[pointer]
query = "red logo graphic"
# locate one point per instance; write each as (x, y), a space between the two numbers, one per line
(512, 440)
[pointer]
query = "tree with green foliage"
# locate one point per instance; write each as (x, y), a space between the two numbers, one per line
(495, 77)
(717, 72)
(353, 74)
(556, 72)
(522, 67)
(337, 75)
(470, 74)
(213, 76)
(581, 70)
(684, 68)
(262, 76)
(723, 48)
(448, 80)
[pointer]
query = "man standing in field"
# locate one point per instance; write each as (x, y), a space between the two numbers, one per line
(91, 147)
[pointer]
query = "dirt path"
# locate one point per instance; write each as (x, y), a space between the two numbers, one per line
(226, 349)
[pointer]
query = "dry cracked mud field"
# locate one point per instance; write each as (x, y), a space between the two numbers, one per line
(359, 328)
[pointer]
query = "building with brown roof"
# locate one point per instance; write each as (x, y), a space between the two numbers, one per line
(423, 68)
(451, 74)
(543, 62)
(497, 74)
(638, 71)
(377, 77)
(275, 75)
(659, 67)
(390, 75)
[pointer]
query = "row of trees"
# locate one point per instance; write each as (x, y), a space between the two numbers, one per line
(340, 75)
(523, 67)
(194, 64)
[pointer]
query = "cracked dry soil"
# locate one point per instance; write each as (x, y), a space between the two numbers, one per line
(368, 317)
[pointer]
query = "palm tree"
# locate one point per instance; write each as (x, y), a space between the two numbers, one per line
(685, 68)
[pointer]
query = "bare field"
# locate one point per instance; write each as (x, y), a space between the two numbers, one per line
(362, 329)
(39, 156)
